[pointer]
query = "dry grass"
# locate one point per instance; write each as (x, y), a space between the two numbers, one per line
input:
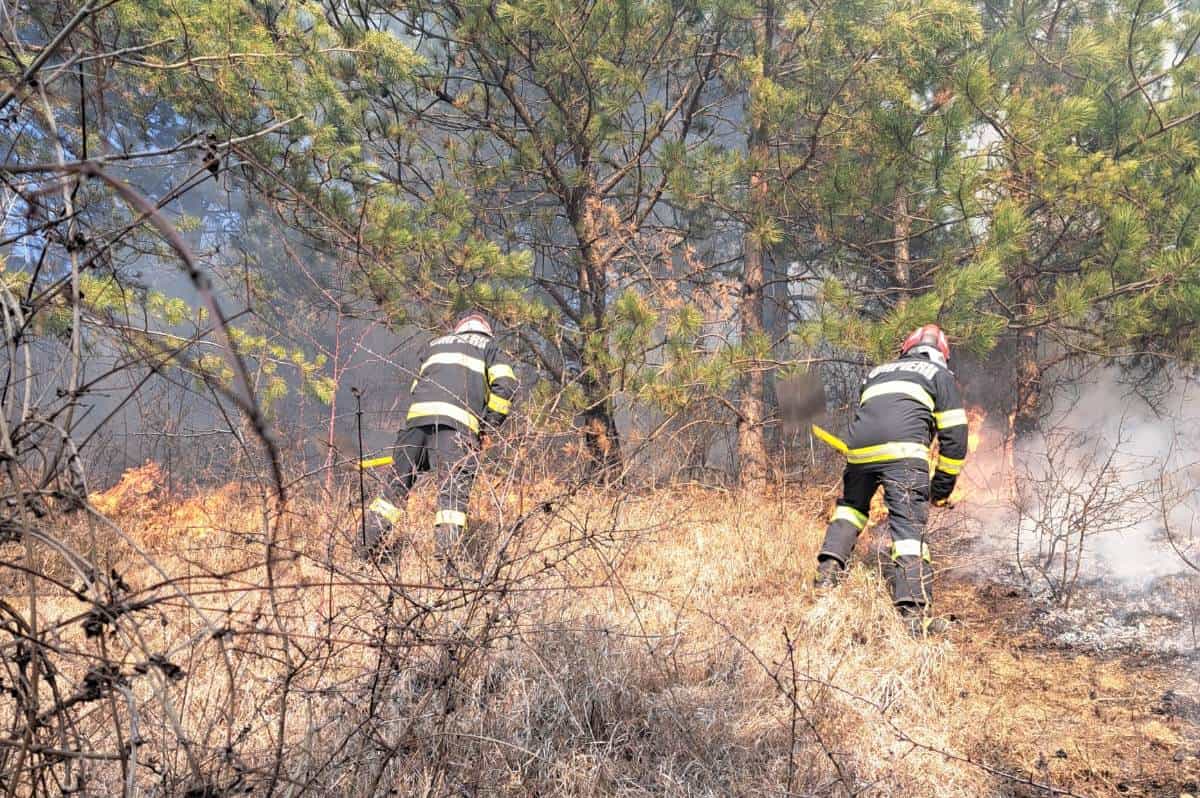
(661, 644)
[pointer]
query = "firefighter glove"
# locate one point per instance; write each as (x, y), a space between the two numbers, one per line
(940, 487)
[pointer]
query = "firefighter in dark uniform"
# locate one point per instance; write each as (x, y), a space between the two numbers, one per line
(902, 406)
(463, 390)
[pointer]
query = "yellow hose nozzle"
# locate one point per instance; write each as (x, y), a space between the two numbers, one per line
(375, 462)
(831, 439)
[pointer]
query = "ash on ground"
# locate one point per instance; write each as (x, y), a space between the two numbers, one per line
(1161, 617)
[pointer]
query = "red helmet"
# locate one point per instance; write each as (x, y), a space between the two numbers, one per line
(474, 322)
(928, 335)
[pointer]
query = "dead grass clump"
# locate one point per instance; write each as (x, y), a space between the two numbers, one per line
(577, 713)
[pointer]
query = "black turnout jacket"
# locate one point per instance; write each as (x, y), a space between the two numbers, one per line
(465, 381)
(903, 405)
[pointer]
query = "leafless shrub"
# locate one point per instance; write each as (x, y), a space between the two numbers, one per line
(1177, 513)
(1071, 487)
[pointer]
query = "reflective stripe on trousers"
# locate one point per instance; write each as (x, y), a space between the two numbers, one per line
(906, 492)
(452, 455)
(452, 517)
(844, 513)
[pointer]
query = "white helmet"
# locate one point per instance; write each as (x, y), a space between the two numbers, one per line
(474, 323)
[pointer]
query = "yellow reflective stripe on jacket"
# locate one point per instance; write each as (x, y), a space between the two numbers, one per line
(423, 409)
(911, 548)
(385, 509)
(887, 451)
(499, 404)
(909, 389)
(844, 513)
(454, 359)
(499, 372)
(950, 418)
(452, 517)
(948, 465)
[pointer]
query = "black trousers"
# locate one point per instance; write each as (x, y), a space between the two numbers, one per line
(453, 456)
(906, 493)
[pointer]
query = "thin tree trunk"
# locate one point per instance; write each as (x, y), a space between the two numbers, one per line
(601, 435)
(901, 231)
(777, 321)
(752, 448)
(600, 432)
(331, 426)
(1027, 410)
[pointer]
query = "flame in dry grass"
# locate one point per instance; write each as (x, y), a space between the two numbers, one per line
(976, 418)
(140, 503)
(134, 492)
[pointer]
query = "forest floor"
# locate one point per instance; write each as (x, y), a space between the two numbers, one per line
(666, 643)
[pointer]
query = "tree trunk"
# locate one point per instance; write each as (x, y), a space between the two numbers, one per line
(331, 427)
(901, 231)
(777, 321)
(600, 432)
(1027, 410)
(601, 436)
(752, 447)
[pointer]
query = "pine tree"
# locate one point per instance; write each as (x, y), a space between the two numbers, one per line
(1090, 119)
(553, 123)
(847, 128)
(900, 202)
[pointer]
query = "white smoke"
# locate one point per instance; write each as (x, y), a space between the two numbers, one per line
(1106, 492)
(1149, 457)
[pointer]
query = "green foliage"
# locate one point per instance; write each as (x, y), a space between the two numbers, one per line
(1059, 187)
(274, 368)
(594, 174)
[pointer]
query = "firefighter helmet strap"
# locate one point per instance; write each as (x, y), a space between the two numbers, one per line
(931, 352)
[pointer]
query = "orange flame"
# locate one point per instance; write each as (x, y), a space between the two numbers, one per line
(158, 519)
(134, 493)
(976, 419)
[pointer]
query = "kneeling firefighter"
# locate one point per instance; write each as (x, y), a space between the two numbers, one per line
(902, 405)
(463, 390)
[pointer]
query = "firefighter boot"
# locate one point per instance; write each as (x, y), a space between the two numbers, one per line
(378, 528)
(920, 623)
(448, 541)
(830, 574)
